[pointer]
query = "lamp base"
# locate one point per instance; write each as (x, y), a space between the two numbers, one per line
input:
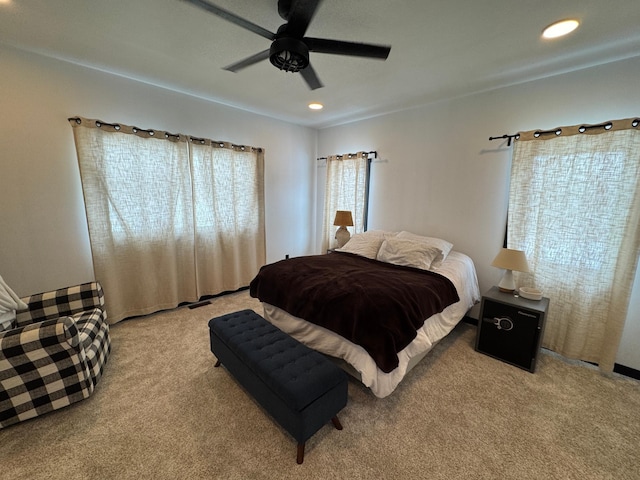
(342, 236)
(507, 283)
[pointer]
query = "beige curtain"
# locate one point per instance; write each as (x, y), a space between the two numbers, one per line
(574, 208)
(154, 203)
(229, 225)
(346, 189)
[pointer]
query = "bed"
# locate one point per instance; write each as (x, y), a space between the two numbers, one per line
(377, 306)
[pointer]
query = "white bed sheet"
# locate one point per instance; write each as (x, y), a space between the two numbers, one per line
(457, 267)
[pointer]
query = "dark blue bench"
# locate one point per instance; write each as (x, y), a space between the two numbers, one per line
(300, 388)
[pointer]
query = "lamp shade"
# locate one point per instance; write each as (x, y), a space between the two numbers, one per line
(343, 218)
(511, 260)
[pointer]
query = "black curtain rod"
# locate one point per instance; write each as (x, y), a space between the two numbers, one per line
(558, 131)
(373, 152)
(509, 137)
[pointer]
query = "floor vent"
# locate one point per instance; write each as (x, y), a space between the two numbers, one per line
(200, 304)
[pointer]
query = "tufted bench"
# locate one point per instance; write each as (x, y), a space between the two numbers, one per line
(300, 388)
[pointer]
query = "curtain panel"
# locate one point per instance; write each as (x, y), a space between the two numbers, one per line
(171, 218)
(574, 208)
(230, 232)
(346, 189)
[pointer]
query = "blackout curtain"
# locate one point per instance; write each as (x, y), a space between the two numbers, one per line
(170, 219)
(346, 189)
(574, 208)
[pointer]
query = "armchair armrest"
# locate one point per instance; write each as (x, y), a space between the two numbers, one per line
(43, 367)
(60, 303)
(61, 331)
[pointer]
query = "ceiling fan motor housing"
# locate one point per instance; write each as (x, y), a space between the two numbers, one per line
(289, 54)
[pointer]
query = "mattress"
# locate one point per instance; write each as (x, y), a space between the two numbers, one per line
(457, 267)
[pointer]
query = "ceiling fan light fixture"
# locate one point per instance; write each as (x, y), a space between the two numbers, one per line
(561, 28)
(289, 54)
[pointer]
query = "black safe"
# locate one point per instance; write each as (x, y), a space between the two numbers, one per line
(510, 328)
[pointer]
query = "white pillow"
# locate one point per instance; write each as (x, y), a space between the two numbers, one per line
(9, 303)
(442, 245)
(361, 245)
(366, 244)
(401, 251)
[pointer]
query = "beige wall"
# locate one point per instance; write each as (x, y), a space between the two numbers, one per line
(43, 233)
(439, 175)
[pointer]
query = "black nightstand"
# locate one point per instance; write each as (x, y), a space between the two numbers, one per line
(510, 328)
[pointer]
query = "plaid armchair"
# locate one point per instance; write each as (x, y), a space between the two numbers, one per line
(55, 355)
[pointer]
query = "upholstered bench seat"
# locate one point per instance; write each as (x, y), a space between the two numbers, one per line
(300, 388)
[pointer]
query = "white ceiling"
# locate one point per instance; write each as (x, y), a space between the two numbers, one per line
(440, 48)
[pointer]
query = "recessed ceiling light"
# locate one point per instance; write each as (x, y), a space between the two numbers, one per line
(558, 29)
(316, 106)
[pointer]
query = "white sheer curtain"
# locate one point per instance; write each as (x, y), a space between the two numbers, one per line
(574, 208)
(346, 189)
(162, 215)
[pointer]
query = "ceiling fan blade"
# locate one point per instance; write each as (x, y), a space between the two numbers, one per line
(338, 47)
(309, 75)
(299, 17)
(258, 57)
(233, 18)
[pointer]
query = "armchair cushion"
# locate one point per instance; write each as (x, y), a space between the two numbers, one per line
(52, 360)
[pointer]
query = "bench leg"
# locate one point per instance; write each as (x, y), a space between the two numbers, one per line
(336, 423)
(300, 457)
(217, 364)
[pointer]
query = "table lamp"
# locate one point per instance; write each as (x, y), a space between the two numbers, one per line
(343, 220)
(510, 260)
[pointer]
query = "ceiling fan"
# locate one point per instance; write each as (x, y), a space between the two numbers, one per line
(290, 49)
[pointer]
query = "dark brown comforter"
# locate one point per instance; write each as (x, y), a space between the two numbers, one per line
(376, 305)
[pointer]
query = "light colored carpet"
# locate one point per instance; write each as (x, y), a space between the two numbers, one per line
(162, 411)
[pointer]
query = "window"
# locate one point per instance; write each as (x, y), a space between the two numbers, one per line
(171, 218)
(144, 186)
(574, 208)
(346, 189)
